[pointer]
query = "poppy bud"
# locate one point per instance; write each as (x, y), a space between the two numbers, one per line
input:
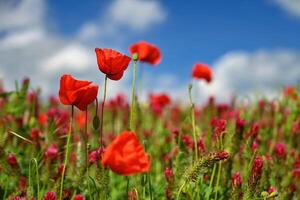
(96, 122)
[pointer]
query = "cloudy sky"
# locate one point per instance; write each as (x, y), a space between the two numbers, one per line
(253, 46)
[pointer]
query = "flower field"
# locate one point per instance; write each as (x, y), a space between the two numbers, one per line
(79, 144)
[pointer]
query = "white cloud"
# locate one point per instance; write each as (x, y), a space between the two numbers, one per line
(263, 72)
(21, 38)
(291, 6)
(74, 57)
(137, 14)
(20, 14)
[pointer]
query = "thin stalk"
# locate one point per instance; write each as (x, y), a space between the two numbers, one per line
(127, 187)
(102, 113)
(36, 176)
(212, 175)
(150, 185)
(179, 191)
(85, 138)
(193, 122)
(218, 180)
(132, 108)
(87, 171)
(67, 154)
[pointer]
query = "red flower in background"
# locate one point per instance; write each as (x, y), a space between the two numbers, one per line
(77, 92)
(161, 100)
(202, 71)
(78, 197)
(290, 91)
(51, 152)
(112, 63)
(12, 160)
(50, 196)
(158, 102)
(146, 52)
(236, 179)
(126, 156)
(280, 150)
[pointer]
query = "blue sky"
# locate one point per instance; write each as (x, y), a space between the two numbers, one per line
(224, 34)
(197, 30)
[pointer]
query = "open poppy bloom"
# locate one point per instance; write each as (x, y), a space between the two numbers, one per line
(126, 156)
(112, 63)
(202, 71)
(146, 52)
(77, 92)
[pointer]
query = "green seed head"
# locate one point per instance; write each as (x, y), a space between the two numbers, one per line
(135, 57)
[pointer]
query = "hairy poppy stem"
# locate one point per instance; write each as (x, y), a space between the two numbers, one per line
(132, 109)
(102, 113)
(67, 154)
(193, 122)
(86, 138)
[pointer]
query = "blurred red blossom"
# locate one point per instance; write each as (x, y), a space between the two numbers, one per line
(202, 71)
(146, 52)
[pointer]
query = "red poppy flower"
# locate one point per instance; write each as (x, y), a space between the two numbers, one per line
(77, 92)
(158, 102)
(146, 52)
(126, 156)
(112, 63)
(202, 71)
(290, 91)
(160, 99)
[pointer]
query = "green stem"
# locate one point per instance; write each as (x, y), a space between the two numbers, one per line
(87, 170)
(132, 108)
(86, 138)
(36, 176)
(179, 191)
(193, 122)
(102, 113)
(67, 154)
(127, 187)
(218, 180)
(212, 176)
(150, 185)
